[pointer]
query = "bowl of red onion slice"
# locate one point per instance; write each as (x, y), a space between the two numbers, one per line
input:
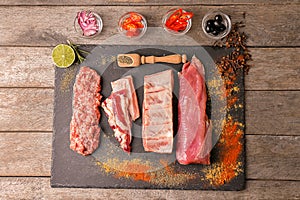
(88, 24)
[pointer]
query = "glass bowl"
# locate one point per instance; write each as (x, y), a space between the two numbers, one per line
(134, 33)
(166, 17)
(89, 15)
(225, 20)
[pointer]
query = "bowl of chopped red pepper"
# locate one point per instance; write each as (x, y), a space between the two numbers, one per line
(88, 24)
(177, 21)
(132, 25)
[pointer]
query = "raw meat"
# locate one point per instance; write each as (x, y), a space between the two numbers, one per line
(121, 107)
(157, 130)
(194, 133)
(84, 129)
(116, 107)
(127, 83)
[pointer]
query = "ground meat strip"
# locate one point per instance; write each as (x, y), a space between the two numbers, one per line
(84, 126)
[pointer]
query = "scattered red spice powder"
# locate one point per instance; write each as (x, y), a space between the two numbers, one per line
(231, 101)
(134, 169)
(230, 144)
(142, 175)
(230, 147)
(228, 165)
(140, 170)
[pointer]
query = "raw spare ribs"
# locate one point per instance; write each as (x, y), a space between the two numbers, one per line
(121, 107)
(157, 130)
(84, 129)
(194, 135)
(127, 84)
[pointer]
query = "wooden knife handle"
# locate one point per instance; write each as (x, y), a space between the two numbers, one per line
(174, 59)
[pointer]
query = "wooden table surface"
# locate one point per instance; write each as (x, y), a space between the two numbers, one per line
(30, 29)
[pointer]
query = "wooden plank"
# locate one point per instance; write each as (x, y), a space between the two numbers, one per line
(273, 157)
(268, 157)
(26, 109)
(272, 68)
(39, 188)
(32, 68)
(273, 112)
(267, 112)
(25, 154)
(263, 27)
(141, 2)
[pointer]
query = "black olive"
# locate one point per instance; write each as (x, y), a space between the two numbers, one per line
(221, 28)
(215, 32)
(209, 29)
(217, 23)
(210, 22)
(218, 18)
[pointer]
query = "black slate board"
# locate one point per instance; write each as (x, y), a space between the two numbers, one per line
(70, 169)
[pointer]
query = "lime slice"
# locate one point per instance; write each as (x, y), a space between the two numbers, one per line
(63, 56)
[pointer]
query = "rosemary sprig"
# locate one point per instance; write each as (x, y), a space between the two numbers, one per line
(78, 51)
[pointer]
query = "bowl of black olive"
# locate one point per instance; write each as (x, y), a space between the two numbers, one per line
(216, 25)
